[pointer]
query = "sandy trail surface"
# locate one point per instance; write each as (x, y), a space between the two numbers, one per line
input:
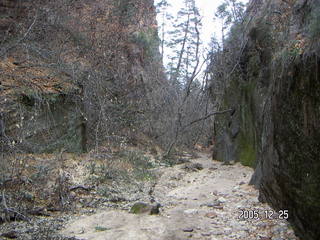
(213, 203)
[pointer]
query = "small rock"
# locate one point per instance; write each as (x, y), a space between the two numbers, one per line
(216, 203)
(206, 234)
(190, 211)
(264, 238)
(141, 207)
(182, 160)
(210, 215)
(215, 193)
(155, 209)
(217, 232)
(73, 195)
(242, 183)
(187, 229)
(222, 200)
(10, 234)
(207, 205)
(262, 225)
(227, 163)
(227, 230)
(218, 207)
(213, 238)
(193, 167)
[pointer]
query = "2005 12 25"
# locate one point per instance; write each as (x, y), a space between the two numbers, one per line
(246, 214)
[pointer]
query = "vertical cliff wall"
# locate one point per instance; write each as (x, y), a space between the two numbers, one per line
(275, 92)
(75, 73)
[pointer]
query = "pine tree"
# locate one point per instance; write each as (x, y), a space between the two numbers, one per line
(184, 43)
(165, 17)
(229, 12)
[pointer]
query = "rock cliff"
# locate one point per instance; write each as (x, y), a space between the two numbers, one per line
(273, 85)
(74, 72)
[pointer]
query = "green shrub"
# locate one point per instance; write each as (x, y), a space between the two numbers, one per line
(136, 158)
(148, 41)
(125, 165)
(141, 164)
(101, 229)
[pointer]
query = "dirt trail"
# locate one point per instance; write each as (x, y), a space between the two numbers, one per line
(197, 204)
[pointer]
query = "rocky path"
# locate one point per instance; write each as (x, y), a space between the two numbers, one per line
(213, 203)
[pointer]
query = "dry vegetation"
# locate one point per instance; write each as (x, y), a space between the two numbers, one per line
(86, 77)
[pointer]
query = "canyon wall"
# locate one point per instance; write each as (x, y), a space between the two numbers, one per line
(75, 73)
(273, 86)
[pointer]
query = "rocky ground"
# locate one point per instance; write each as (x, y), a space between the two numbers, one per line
(201, 199)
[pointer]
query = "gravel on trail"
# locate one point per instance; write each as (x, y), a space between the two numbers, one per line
(212, 201)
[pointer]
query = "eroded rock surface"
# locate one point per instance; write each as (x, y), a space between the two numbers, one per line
(274, 92)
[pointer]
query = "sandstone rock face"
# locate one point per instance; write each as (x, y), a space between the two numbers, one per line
(75, 72)
(38, 112)
(275, 127)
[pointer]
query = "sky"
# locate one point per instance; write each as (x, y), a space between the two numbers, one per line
(207, 9)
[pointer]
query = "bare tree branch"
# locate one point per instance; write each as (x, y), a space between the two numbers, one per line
(206, 117)
(23, 37)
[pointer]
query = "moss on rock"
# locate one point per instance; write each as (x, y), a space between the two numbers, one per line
(141, 207)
